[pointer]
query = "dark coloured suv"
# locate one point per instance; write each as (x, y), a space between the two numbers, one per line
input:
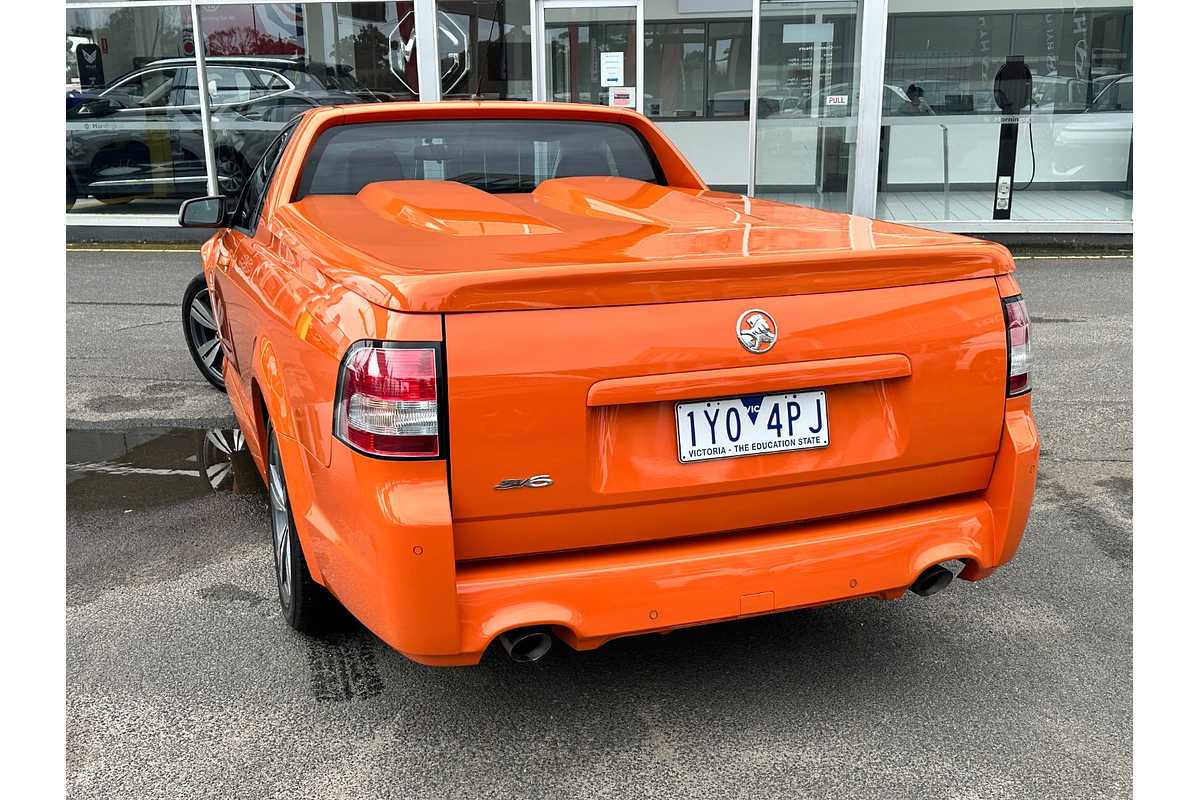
(140, 136)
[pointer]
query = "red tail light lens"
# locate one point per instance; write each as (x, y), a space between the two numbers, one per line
(387, 403)
(1020, 351)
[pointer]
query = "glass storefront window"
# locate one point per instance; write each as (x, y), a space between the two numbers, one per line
(128, 143)
(807, 102)
(941, 120)
(134, 134)
(269, 62)
(365, 49)
(729, 69)
(951, 59)
(483, 50)
(575, 39)
(135, 143)
(675, 87)
(326, 51)
(698, 91)
(701, 69)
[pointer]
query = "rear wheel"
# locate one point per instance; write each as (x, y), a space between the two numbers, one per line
(200, 331)
(72, 193)
(304, 603)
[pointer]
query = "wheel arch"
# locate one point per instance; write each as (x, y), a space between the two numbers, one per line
(269, 407)
(266, 381)
(259, 417)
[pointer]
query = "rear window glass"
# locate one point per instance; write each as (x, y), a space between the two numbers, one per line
(493, 155)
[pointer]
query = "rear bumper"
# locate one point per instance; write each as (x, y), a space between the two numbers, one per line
(388, 556)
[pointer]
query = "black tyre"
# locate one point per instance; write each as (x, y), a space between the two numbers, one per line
(72, 193)
(200, 331)
(304, 603)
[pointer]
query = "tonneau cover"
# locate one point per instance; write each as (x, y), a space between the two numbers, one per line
(430, 246)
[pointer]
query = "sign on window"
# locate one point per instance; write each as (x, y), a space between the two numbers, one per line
(612, 69)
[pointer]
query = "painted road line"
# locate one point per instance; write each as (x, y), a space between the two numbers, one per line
(132, 249)
(1118, 257)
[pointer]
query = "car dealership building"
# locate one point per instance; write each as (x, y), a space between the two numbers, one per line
(982, 116)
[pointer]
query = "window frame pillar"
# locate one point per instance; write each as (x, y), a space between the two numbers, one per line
(429, 79)
(873, 15)
(872, 47)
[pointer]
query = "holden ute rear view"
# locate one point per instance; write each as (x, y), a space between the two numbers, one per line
(512, 372)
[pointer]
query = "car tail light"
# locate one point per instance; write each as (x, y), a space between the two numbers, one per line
(1020, 351)
(387, 402)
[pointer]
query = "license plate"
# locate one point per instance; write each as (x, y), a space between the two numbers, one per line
(751, 425)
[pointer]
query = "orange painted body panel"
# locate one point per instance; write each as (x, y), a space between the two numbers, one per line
(517, 411)
(573, 318)
(713, 246)
(439, 610)
(704, 383)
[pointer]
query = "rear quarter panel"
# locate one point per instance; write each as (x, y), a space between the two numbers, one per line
(301, 324)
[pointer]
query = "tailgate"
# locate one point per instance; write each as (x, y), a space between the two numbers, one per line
(913, 381)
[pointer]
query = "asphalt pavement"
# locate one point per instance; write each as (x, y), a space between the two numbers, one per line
(126, 360)
(183, 681)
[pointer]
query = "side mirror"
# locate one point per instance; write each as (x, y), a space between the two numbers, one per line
(202, 212)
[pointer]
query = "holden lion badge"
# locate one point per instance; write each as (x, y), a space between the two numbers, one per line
(756, 330)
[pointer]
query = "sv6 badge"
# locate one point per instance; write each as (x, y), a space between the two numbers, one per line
(532, 482)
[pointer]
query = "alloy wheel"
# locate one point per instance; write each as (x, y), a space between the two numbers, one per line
(231, 174)
(202, 330)
(217, 453)
(281, 529)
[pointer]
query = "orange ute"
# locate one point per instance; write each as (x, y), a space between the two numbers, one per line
(512, 371)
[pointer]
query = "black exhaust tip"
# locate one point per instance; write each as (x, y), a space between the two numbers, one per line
(526, 645)
(932, 581)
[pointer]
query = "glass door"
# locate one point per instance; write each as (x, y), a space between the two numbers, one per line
(587, 52)
(807, 102)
